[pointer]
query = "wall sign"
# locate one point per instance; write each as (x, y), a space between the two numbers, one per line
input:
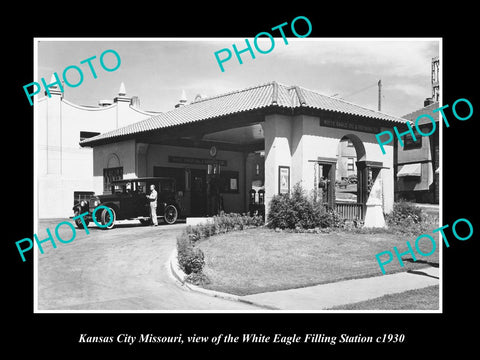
(194, 161)
(228, 182)
(342, 124)
(283, 179)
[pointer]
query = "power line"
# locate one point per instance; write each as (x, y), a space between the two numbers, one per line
(358, 91)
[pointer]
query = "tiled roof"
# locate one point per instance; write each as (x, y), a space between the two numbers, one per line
(240, 101)
(425, 110)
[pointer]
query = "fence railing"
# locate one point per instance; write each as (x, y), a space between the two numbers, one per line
(350, 211)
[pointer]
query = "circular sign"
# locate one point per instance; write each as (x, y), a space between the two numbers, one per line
(213, 151)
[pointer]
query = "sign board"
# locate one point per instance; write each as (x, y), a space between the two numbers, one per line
(349, 125)
(194, 161)
(283, 179)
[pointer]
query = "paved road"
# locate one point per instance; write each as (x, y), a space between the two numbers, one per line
(120, 269)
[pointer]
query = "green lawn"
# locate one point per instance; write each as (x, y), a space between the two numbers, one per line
(419, 299)
(259, 260)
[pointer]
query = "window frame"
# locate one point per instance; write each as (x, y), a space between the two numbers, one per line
(409, 144)
(350, 165)
(108, 179)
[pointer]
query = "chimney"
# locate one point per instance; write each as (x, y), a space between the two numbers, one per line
(122, 91)
(54, 89)
(135, 101)
(122, 94)
(182, 101)
(427, 101)
(123, 104)
(105, 102)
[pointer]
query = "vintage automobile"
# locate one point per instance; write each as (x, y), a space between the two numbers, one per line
(128, 200)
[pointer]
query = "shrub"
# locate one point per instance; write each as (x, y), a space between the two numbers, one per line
(222, 224)
(412, 226)
(406, 214)
(331, 218)
(190, 258)
(198, 279)
(298, 211)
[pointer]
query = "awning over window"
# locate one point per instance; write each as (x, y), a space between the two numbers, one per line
(410, 170)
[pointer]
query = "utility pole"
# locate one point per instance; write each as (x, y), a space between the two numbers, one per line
(380, 95)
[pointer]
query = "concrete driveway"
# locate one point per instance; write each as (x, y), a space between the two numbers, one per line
(120, 269)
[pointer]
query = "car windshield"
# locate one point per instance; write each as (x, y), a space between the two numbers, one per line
(141, 187)
(119, 189)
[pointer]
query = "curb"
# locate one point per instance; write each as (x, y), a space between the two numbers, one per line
(179, 277)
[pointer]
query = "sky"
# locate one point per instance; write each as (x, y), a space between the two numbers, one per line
(158, 71)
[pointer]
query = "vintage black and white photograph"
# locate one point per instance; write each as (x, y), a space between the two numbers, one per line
(263, 175)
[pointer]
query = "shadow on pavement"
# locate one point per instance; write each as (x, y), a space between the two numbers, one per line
(418, 272)
(432, 264)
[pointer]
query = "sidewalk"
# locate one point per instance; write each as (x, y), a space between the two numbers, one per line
(321, 297)
(325, 296)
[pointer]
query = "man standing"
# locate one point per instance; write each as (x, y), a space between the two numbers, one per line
(153, 204)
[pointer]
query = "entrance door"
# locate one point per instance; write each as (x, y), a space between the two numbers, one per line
(198, 192)
(326, 183)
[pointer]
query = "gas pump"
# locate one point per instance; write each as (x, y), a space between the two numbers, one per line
(214, 200)
(261, 202)
(251, 201)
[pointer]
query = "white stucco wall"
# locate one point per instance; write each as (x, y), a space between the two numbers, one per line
(113, 155)
(62, 165)
(293, 141)
(278, 137)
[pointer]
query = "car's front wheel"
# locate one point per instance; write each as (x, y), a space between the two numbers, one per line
(171, 214)
(108, 217)
(78, 222)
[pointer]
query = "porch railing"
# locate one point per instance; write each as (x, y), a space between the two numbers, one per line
(351, 211)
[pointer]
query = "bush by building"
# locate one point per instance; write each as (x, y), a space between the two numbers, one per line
(190, 258)
(409, 218)
(298, 211)
(405, 213)
(223, 223)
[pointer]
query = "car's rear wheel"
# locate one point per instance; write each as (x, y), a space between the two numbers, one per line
(78, 222)
(108, 217)
(171, 214)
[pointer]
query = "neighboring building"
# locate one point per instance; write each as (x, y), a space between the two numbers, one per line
(435, 79)
(347, 158)
(65, 169)
(417, 164)
(268, 137)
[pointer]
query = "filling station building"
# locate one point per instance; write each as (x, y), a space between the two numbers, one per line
(251, 144)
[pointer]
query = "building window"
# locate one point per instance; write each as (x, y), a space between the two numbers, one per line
(87, 135)
(229, 182)
(351, 164)
(110, 175)
(409, 144)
